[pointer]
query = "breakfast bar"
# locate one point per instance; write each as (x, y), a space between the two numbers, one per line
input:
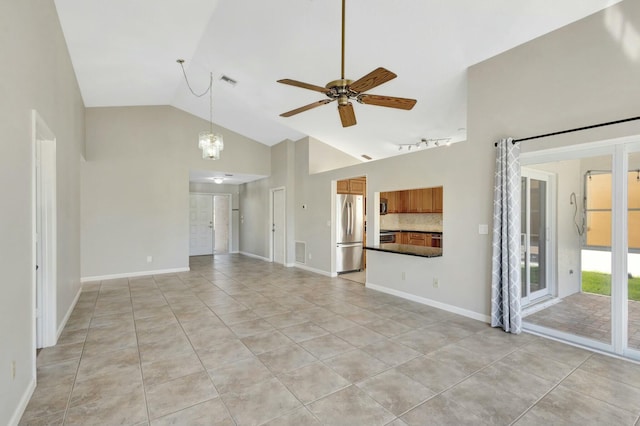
(408, 249)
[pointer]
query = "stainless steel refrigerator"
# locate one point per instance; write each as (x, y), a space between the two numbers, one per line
(350, 231)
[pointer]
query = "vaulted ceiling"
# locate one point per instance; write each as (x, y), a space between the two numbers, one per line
(124, 53)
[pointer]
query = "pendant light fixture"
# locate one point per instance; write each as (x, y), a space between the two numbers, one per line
(209, 142)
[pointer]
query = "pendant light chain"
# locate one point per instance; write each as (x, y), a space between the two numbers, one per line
(210, 103)
(210, 143)
(181, 62)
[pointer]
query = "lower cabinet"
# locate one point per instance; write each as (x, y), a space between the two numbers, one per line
(418, 239)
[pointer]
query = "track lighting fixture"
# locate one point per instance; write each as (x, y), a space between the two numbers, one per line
(428, 143)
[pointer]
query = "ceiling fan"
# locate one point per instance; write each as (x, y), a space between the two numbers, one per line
(344, 91)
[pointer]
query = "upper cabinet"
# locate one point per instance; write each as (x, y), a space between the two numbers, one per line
(437, 199)
(356, 186)
(423, 200)
(393, 201)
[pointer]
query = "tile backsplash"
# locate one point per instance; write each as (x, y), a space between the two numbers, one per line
(412, 221)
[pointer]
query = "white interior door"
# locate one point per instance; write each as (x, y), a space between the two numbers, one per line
(278, 225)
(201, 232)
(45, 233)
(222, 223)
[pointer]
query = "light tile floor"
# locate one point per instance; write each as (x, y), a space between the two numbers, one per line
(587, 315)
(238, 341)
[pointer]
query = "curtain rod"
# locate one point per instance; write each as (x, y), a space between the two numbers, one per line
(577, 129)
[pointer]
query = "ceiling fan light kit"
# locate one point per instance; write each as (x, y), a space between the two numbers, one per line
(344, 91)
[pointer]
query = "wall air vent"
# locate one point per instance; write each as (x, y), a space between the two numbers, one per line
(301, 252)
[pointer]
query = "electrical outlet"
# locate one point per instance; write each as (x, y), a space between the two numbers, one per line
(436, 284)
(13, 370)
(149, 259)
(404, 276)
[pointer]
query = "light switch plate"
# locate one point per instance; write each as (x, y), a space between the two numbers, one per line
(483, 229)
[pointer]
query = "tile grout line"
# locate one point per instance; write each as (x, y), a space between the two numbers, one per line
(550, 390)
(135, 328)
(75, 378)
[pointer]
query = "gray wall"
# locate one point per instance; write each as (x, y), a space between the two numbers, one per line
(255, 226)
(135, 186)
(37, 75)
(323, 157)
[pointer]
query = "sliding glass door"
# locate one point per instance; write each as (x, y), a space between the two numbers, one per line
(590, 272)
(633, 252)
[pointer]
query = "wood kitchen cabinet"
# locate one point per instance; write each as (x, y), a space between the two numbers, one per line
(418, 239)
(402, 238)
(423, 200)
(437, 199)
(393, 201)
(357, 186)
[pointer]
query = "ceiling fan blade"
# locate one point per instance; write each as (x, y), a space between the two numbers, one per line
(387, 101)
(304, 85)
(347, 116)
(371, 80)
(305, 108)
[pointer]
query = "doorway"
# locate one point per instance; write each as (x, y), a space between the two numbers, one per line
(535, 235)
(44, 227)
(209, 224)
(278, 221)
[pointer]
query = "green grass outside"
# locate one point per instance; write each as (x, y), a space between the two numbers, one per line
(600, 283)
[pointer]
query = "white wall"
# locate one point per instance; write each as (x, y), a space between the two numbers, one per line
(135, 186)
(37, 75)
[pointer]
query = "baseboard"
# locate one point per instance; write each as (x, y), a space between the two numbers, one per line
(310, 269)
(255, 256)
(22, 405)
(134, 274)
(68, 314)
(444, 306)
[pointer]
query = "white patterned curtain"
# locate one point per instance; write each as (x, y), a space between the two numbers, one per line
(505, 279)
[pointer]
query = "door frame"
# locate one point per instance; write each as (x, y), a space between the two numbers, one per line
(272, 192)
(43, 199)
(550, 237)
(618, 149)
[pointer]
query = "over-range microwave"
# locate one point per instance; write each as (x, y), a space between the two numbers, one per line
(383, 206)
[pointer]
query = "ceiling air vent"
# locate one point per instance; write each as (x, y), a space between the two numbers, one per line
(229, 80)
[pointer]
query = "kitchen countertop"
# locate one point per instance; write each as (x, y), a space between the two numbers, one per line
(410, 230)
(410, 250)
